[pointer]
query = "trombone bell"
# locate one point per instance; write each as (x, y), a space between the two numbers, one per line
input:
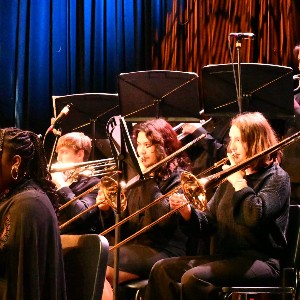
(193, 190)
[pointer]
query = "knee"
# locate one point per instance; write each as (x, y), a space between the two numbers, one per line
(192, 285)
(188, 279)
(160, 269)
(109, 274)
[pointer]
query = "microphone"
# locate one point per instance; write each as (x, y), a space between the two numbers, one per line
(243, 35)
(59, 118)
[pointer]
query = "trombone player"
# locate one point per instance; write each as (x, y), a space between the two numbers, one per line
(154, 140)
(247, 218)
(75, 147)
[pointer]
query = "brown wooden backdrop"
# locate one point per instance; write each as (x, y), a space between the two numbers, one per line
(197, 33)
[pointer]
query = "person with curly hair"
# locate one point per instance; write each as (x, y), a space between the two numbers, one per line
(246, 219)
(31, 260)
(154, 140)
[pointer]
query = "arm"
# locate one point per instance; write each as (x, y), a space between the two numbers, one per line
(257, 206)
(67, 193)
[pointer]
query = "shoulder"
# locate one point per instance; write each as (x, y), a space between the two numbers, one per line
(31, 201)
(276, 172)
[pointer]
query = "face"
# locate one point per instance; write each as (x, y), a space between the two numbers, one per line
(69, 155)
(146, 150)
(236, 146)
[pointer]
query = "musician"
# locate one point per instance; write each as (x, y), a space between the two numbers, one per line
(291, 154)
(31, 262)
(247, 219)
(154, 140)
(75, 147)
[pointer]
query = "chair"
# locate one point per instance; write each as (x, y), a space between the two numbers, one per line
(85, 262)
(290, 270)
(135, 288)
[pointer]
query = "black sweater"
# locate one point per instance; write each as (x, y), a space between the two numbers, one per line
(166, 235)
(253, 219)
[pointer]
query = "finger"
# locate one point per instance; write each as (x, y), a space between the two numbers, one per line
(231, 158)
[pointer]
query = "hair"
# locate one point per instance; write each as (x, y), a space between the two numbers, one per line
(258, 134)
(77, 141)
(161, 134)
(33, 165)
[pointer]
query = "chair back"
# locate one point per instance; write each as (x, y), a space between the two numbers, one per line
(292, 256)
(85, 262)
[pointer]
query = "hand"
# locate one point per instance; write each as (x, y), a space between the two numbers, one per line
(101, 201)
(177, 200)
(189, 128)
(59, 179)
(235, 176)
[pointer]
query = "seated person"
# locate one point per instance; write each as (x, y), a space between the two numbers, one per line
(154, 140)
(75, 147)
(31, 261)
(247, 219)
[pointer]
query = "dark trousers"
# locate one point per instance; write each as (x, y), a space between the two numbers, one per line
(201, 277)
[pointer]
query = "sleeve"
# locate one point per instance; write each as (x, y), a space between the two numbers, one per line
(152, 191)
(82, 203)
(256, 208)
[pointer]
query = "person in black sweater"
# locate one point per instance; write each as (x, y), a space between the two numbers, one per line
(154, 140)
(246, 218)
(75, 147)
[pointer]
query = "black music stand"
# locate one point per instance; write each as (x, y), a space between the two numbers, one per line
(128, 169)
(172, 95)
(89, 114)
(265, 88)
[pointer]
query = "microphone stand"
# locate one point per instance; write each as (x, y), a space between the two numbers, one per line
(57, 133)
(238, 45)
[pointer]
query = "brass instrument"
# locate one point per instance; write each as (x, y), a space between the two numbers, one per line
(195, 189)
(109, 187)
(89, 168)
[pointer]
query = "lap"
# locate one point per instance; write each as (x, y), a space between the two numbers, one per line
(137, 259)
(220, 270)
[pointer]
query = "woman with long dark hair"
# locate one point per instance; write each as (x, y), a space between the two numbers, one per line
(154, 140)
(246, 218)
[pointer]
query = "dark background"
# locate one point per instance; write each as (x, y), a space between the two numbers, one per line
(63, 47)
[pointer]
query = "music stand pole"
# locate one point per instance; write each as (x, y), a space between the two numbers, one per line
(121, 158)
(93, 122)
(238, 46)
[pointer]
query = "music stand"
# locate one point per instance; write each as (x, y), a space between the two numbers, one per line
(89, 113)
(265, 88)
(172, 95)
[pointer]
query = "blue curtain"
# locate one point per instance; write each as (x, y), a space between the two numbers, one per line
(62, 47)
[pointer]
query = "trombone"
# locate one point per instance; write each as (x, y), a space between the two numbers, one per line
(112, 200)
(195, 189)
(90, 168)
(109, 187)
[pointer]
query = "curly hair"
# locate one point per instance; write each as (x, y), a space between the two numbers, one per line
(161, 134)
(29, 147)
